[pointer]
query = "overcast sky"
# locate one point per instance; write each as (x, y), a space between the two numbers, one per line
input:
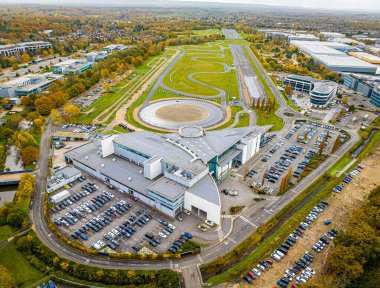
(368, 5)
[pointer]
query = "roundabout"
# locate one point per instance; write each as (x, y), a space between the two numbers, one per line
(174, 113)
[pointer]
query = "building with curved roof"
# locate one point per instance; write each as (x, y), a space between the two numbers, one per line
(170, 172)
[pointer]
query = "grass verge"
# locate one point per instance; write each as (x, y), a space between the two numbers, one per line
(18, 266)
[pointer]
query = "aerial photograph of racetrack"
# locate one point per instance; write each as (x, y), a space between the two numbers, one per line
(189, 144)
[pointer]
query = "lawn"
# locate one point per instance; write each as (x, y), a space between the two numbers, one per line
(106, 100)
(271, 119)
(207, 32)
(5, 232)
(243, 120)
(234, 110)
(208, 61)
(20, 269)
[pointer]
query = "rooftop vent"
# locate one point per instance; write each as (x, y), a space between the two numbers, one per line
(86, 157)
(113, 159)
(102, 165)
(129, 178)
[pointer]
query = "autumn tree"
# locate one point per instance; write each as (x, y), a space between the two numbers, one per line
(56, 116)
(25, 187)
(107, 87)
(44, 105)
(336, 144)
(70, 112)
(288, 89)
(29, 155)
(23, 139)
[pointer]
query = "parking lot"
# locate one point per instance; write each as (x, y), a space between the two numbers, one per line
(291, 153)
(107, 220)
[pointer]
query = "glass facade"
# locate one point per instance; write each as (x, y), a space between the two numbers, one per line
(375, 98)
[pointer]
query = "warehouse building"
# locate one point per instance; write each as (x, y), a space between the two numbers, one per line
(27, 84)
(170, 172)
(373, 59)
(333, 55)
(60, 196)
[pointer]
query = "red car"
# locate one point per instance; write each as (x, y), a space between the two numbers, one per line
(252, 275)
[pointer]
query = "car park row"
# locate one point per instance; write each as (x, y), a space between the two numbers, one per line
(283, 249)
(348, 178)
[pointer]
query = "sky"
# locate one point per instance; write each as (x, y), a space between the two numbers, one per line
(363, 5)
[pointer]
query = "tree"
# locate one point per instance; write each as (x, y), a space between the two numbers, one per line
(23, 139)
(345, 100)
(44, 105)
(107, 87)
(25, 58)
(288, 89)
(71, 111)
(336, 144)
(6, 279)
(56, 116)
(25, 187)
(29, 155)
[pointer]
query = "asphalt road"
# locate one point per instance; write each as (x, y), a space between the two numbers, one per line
(243, 225)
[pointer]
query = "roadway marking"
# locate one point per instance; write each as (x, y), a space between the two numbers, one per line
(232, 240)
(226, 216)
(249, 222)
(200, 258)
(268, 211)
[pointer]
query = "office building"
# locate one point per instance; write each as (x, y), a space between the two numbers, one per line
(366, 85)
(20, 48)
(170, 172)
(71, 67)
(320, 91)
(27, 84)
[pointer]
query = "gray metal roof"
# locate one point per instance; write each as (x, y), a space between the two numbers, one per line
(206, 189)
(132, 175)
(152, 144)
(214, 143)
(68, 171)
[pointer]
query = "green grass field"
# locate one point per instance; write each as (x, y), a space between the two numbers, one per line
(18, 267)
(243, 120)
(5, 232)
(234, 110)
(108, 99)
(207, 32)
(208, 60)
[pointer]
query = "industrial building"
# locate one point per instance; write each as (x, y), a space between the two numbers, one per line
(60, 196)
(27, 84)
(20, 48)
(62, 177)
(373, 59)
(71, 66)
(170, 172)
(96, 56)
(333, 56)
(70, 136)
(302, 37)
(321, 92)
(115, 47)
(366, 85)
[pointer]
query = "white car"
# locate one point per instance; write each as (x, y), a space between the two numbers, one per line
(257, 272)
(187, 212)
(122, 202)
(233, 192)
(171, 226)
(162, 235)
(311, 271)
(210, 223)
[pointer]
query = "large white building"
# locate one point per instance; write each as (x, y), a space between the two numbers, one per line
(170, 172)
(333, 55)
(27, 84)
(12, 49)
